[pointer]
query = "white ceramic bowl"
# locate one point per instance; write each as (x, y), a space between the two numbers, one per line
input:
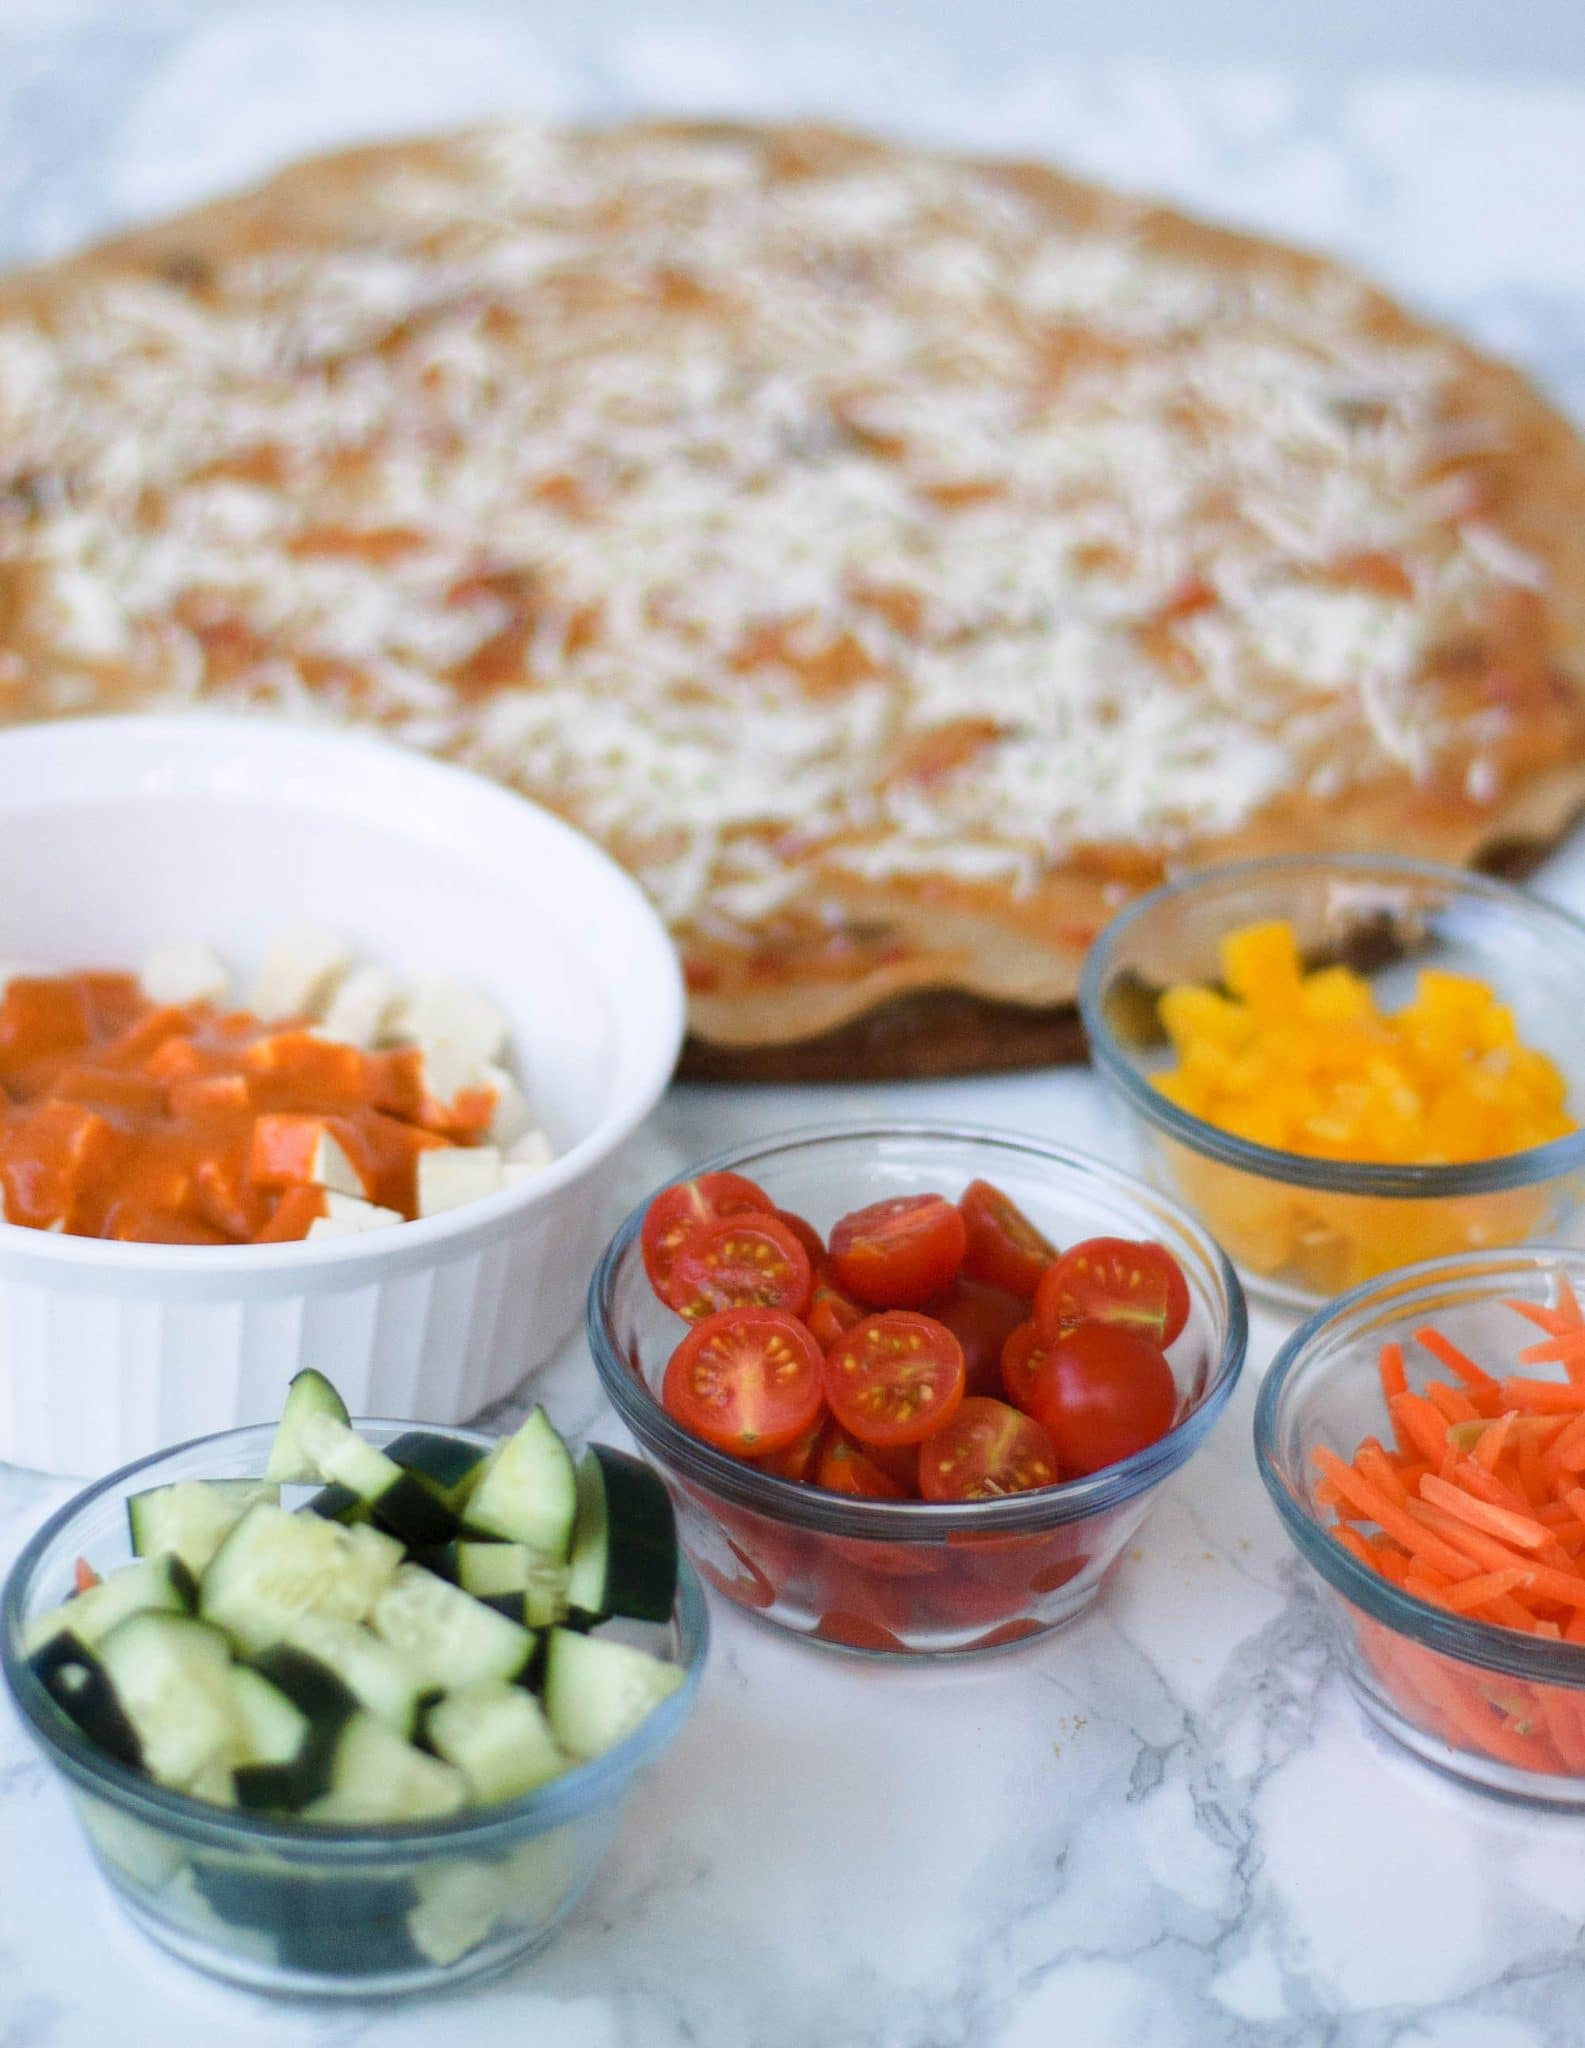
(115, 833)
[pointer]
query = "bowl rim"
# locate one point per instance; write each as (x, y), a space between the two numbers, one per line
(808, 1507)
(95, 1771)
(653, 1029)
(1506, 1171)
(1484, 1643)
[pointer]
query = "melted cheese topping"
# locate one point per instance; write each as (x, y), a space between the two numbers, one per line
(767, 525)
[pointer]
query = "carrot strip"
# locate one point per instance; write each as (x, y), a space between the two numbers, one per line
(1532, 1471)
(1574, 1628)
(1484, 1514)
(1484, 1587)
(1492, 1441)
(1557, 1714)
(1394, 1380)
(1455, 1360)
(1399, 1523)
(1355, 1544)
(1544, 1397)
(1420, 1422)
(1574, 1500)
(1486, 1485)
(1450, 1403)
(1545, 1583)
(1373, 1462)
(1567, 1350)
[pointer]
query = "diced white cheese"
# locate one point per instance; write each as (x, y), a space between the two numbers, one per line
(299, 973)
(360, 1008)
(450, 1175)
(531, 1153)
(330, 1168)
(347, 1216)
(439, 1010)
(444, 1071)
(184, 971)
(510, 1118)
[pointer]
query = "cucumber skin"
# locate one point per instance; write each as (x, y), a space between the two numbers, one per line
(640, 1529)
(93, 1707)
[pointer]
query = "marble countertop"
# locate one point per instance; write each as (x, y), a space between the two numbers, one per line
(1169, 1826)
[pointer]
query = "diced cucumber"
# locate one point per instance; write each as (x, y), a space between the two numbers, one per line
(309, 1394)
(336, 1504)
(373, 1775)
(161, 1585)
(377, 1677)
(215, 1783)
(527, 1492)
(80, 1686)
(398, 1500)
(597, 1692)
(449, 1638)
(275, 1566)
(459, 1905)
(446, 1464)
(499, 1739)
(270, 1727)
(169, 1674)
(514, 1576)
(624, 1545)
(192, 1518)
(271, 1755)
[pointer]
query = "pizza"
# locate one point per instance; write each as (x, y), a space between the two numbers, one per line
(896, 561)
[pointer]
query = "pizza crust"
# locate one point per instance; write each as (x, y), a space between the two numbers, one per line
(933, 973)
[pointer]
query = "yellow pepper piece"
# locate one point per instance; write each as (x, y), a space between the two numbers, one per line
(1308, 1063)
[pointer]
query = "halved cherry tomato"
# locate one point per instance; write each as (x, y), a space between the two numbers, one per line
(1023, 1355)
(84, 1577)
(748, 1261)
(830, 1313)
(896, 1254)
(986, 1451)
(1115, 1280)
(894, 1378)
(856, 1631)
(842, 1466)
(795, 1460)
(806, 1234)
(1103, 1393)
(746, 1380)
(1004, 1247)
(677, 1212)
(982, 1319)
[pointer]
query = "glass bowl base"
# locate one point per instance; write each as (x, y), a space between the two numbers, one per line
(1545, 1794)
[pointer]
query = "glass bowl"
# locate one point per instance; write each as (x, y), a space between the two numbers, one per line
(288, 1906)
(1493, 1707)
(1301, 1230)
(907, 1577)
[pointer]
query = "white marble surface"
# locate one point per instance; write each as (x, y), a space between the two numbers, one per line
(1169, 1827)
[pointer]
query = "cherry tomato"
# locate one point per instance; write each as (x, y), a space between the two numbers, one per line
(677, 1212)
(830, 1313)
(842, 1466)
(894, 1379)
(896, 1254)
(748, 1261)
(986, 1451)
(1023, 1355)
(795, 1460)
(982, 1319)
(856, 1631)
(806, 1234)
(746, 1380)
(1103, 1392)
(1114, 1280)
(1004, 1247)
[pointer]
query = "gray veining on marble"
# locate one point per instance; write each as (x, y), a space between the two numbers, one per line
(1171, 1826)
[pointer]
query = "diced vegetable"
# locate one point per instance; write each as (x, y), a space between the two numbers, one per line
(398, 1499)
(624, 1546)
(527, 1492)
(499, 1739)
(162, 1584)
(169, 1674)
(276, 1566)
(597, 1692)
(449, 1638)
(373, 1775)
(192, 1518)
(310, 1394)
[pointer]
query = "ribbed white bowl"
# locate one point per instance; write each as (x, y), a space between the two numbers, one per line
(115, 833)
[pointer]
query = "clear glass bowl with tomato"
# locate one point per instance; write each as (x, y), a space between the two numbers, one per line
(824, 1517)
(1301, 1228)
(1496, 1702)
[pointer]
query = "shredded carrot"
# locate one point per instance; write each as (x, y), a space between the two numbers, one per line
(1543, 1397)
(1455, 1360)
(1477, 1507)
(1414, 1416)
